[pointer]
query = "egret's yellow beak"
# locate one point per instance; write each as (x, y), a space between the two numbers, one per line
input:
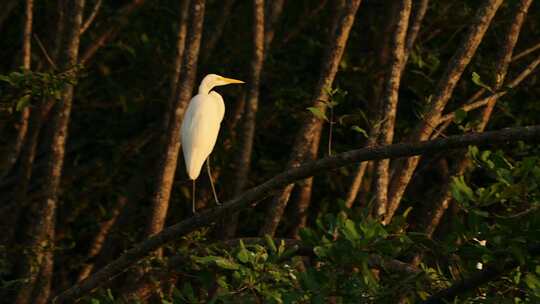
(231, 80)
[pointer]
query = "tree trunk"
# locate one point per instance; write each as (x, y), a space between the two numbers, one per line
(43, 233)
(243, 161)
(169, 157)
(304, 194)
(313, 125)
(210, 42)
(180, 47)
(390, 101)
(443, 92)
(22, 124)
(505, 56)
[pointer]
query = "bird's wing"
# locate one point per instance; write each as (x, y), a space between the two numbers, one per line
(219, 105)
(200, 129)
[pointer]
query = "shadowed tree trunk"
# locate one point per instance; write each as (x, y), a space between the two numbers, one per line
(274, 8)
(99, 240)
(243, 161)
(312, 126)
(22, 124)
(209, 43)
(9, 6)
(22, 127)
(111, 30)
(39, 261)
(303, 21)
(443, 92)
(169, 157)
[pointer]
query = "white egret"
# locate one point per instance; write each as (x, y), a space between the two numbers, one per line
(200, 127)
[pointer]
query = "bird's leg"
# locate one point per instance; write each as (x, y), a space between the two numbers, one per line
(211, 182)
(193, 196)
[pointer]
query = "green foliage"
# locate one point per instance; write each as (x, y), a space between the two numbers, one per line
(477, 81)
(23, 86)
(503, 210)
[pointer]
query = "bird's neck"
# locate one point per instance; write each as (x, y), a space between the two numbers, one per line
(204, 88)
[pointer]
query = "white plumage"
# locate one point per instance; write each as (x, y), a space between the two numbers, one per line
(200, 127)
(200, 130)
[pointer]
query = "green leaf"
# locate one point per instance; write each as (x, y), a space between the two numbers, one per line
(459, 116)
(226, 264)
(243, 254)
(22, 103)
(187, 291)
(349, 230)
(532, 281)
(480, 212)
(317, 112)
(476, 80)
(360, 130)
(6, 79)
(270, 243)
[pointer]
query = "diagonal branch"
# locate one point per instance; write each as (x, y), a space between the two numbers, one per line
(461, 58)
(248, 198)
(526, 52)
(111, 30)
(92, 16)
(484, 101)
(312, 126)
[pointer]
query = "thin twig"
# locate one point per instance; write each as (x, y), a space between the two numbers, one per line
(44, 51)
(526, 52)
(92, 16)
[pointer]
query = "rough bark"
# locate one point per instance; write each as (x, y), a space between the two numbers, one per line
(390, 101)
(304, 194)
(169, 157)
(443, 92)
(243, 161)
(41, 245)
(312, 126)
(417, 16)
(247, 199)
(275, 8)
(175, 75)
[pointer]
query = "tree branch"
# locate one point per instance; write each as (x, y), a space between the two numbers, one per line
(92, 16)
(248, 198)
(445, 88)
(490, 273)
